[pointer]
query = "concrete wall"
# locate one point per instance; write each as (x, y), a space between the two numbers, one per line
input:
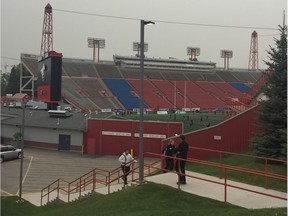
(232, 135)
(43, 137)
(114, 136)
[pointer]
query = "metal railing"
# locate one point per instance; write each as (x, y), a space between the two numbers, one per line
(225, 168)
(81, 184)
(266, 160)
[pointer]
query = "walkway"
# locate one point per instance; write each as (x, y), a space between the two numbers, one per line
(202, 188)
(215, 191)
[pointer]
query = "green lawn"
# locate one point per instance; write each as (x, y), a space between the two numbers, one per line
(211, 118)
(245, 162)
(149, 199)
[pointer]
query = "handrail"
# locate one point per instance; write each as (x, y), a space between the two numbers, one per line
(237, 154)
(91, 177)
(50, 191)
(225, 176)
(243, 155)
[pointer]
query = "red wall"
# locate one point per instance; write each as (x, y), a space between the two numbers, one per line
(111, 137)
(235, 135)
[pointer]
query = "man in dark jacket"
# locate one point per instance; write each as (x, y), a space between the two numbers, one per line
(169, 150)
(181, 153)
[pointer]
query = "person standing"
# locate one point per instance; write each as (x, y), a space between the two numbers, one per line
(181, 153)
(169, 150)
(126, 160)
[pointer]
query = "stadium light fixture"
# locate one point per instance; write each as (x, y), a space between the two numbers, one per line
(141, 162)
(193, 52)
(136, 47)
(226, 54)
(94, 43)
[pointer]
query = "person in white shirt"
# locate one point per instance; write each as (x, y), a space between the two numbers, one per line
(126, 160)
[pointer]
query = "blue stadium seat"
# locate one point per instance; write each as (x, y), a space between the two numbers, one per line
(240, 86)
(123, 91)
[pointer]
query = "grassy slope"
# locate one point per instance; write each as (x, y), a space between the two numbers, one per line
(149, 199)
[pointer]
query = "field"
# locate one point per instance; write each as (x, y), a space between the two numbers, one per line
(149, 199)
(199, 120)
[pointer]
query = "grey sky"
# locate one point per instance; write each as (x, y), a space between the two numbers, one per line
(21, 27)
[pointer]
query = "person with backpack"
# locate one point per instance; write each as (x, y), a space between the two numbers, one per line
(169, 150)
(126, 160)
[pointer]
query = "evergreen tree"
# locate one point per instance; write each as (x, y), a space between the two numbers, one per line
(4, 83)
(272, 140)
(13, 86)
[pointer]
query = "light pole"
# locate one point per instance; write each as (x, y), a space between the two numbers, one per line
(141, 167)
(22, 145)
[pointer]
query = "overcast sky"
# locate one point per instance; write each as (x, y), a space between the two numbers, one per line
(22, 22)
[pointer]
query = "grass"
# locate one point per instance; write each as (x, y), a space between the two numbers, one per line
(245, 162)
(211, 118)
(149, 199)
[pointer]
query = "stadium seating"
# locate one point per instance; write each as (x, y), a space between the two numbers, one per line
(97, 92)
(101, 86)
(75, 93)
(31, 64)
(198, 96)
(78, 68)
(244, 77)
(124, 92)
(228, 89)
(240, 86)
(226, 76)
(107, 71)
(155, 98)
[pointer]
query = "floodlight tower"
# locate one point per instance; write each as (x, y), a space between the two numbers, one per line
(96, 43)
(47, 32)
(137, 47)
(193, 52)
(253, 56)
(226, 54)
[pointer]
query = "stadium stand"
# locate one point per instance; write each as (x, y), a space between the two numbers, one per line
(244, 77)
(212, 89)
(97, 93)
(107, 71)
(30, 62)
(76, 95)
(241, 87)
(211, 77)
(226, 76)
(124, 92)
(173, 94)
(172, 75)
(228, 89)
(198, 96)
(155, 98)
(77, 68)
(169, 84)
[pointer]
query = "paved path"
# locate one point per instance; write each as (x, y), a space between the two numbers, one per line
(216, 191)
(41, 167)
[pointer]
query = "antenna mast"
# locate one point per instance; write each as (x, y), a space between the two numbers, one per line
(47, 32)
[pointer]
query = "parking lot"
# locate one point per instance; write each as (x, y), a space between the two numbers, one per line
(42, 166)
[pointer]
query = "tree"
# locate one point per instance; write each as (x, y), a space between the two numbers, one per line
(272, 139)
(4, 83)
(13, 86)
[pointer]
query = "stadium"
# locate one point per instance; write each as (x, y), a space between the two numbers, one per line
(84, 106)
(89, 88)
